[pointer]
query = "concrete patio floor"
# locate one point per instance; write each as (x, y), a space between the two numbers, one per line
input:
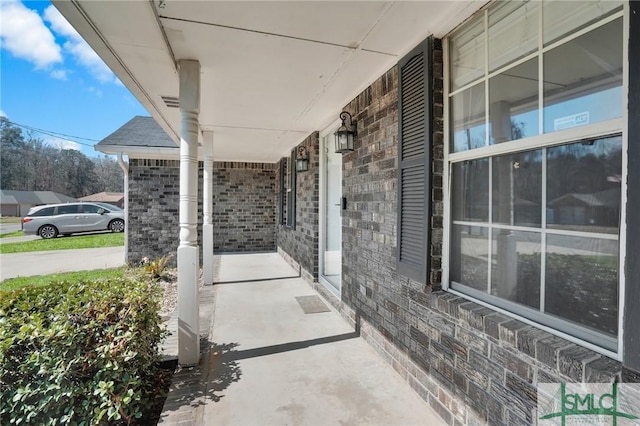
(267, 362)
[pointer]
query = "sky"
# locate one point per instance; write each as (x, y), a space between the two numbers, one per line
(51, 80)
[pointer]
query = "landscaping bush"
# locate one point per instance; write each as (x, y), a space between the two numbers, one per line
(78, 353)
(156, 268)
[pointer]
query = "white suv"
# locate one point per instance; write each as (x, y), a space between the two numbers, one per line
(51, 220)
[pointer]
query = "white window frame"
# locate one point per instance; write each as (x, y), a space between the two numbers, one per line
(542, 140)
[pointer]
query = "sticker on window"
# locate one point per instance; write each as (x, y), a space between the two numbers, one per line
(570, 121)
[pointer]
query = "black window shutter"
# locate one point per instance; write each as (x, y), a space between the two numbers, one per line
(414, 161)
(282, 192)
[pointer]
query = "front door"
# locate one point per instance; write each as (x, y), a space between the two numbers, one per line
(330, 214)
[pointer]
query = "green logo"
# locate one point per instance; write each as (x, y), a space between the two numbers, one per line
(579, 406)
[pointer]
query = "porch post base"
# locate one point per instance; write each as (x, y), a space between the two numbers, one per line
(188, 306)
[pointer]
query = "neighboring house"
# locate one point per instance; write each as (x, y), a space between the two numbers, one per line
(114, 198)
(596, 209)
(437, 235)
(18, 203)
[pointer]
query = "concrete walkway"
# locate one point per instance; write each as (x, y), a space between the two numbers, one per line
(267, 362)
(52, 262)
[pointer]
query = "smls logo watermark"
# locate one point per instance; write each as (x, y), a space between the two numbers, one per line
(616, 404)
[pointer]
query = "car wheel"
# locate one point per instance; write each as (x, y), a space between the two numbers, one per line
(48, 231)
(116, 225)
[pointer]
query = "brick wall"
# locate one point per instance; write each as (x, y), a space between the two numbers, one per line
(244, 207)
(370, 186)
(154, 189)
(471, 364)
(301, 243)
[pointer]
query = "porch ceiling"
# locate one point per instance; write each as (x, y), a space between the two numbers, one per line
(271, 72)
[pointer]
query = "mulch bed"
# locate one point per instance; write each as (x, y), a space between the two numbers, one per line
(158, 395)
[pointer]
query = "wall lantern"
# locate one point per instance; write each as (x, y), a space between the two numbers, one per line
(302, 161)
(345, 135)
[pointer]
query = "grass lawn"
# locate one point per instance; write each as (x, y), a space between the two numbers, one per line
(65, 243)
(41, 280)
(12, 234)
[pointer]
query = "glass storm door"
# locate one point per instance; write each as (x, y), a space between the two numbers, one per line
(331, 217)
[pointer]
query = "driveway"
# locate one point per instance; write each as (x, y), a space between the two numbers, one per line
(7, 228)
(56, 261)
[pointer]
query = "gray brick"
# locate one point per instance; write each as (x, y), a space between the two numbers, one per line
(524, 390)
(572, 361)
(511, 400)
(420, 337)
(492, 322)
(440, 409)
(473, 340)
(527, 338)
(243, 210)
(473, 314)
(302, 242)
(511, 362)
(474, 375)
(454, 345)
(547, 350)
(489, 408)
(603, 370)
(508, 331)
(516, 419)
(630, 376)
(543, 376)
(486, 366)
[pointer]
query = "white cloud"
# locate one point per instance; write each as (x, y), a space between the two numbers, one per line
(59, 74)
(95, 91)
(62, 144)
(77, 47)
(24, 34)
(3, 114)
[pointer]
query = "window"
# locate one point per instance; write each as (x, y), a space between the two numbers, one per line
(47, 211)
(90, 208)
(291, 191)
(68, 209)
(535, 163)
(288, 191)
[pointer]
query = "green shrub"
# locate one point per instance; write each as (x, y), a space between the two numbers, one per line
(78, 353)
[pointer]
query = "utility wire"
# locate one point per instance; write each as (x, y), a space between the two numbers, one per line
(55, 134)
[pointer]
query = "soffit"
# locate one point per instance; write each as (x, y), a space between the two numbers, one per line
(271, 72)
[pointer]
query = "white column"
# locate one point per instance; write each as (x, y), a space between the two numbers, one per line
(207, 209)
(125, 168)
(188, 256)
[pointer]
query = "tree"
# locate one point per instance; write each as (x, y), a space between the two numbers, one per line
(109, 174)
(27, 163)
(79, 174)
(11, 142)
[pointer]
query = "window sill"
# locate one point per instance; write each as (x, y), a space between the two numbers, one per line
(569, 360)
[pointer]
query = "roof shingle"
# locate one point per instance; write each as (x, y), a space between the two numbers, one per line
(139, 131)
